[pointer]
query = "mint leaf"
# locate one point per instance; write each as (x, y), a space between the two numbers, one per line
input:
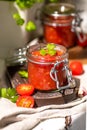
(20, 21)
(13, 98)
(23, 73)
(30, 26)
(11, 92)
(16, 16)
(3, 92)
(50, 46)
(43, 52)
(52, 52)
(49, 50)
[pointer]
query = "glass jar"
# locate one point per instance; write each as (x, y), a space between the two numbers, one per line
(48, 72)
(59, 22)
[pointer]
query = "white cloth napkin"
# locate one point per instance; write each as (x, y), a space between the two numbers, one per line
(18, 118)
(50, 117)
(83, 81)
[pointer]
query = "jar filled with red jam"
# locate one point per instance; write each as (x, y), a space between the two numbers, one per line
(59, 23)
(48, 67)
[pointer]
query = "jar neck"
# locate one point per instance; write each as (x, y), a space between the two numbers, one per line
(61, 54)
(58, 21)
(45, 62)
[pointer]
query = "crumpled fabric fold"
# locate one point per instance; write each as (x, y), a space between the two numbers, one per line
(19, 118)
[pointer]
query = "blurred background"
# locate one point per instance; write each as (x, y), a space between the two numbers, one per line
(13, 36)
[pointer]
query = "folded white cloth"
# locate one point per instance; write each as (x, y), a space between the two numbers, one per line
(18, 118)
(83, 81)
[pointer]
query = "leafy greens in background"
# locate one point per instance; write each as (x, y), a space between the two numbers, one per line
(24, 4)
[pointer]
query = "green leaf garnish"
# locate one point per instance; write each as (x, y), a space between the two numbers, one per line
(9, 93)
(50, 46)
(50, 50)
(30, 26)
(24, 4)
(14, 98)
(3, 92)
(16, 16)
(43, 52)
(53, 0)
(23, 73)
(20, 21)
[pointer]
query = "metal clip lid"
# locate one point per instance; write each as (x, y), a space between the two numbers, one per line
(54, 76)
(76, 26)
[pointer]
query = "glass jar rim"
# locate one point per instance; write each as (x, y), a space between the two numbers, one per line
(59, 9)
(42, 59)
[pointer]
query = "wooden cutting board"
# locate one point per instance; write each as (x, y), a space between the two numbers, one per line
(78, 53)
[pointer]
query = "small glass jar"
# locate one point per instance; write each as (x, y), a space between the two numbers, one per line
(48, 72)
(59, 22)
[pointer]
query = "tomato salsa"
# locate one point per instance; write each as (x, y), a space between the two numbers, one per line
(59, 24)
(40, 66)
(60, 35)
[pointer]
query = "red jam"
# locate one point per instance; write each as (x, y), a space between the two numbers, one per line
(39, 68)
(58, 24)
(60, 35)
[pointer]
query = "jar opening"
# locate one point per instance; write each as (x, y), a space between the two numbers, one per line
(60, 9)
(39, 59)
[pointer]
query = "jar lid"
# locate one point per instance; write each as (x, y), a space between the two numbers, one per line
(64, 9)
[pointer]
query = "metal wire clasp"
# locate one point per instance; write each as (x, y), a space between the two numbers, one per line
(54, 75)
(76, 26)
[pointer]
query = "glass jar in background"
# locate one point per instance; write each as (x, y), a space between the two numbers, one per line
(59, 22)
(48, 72)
